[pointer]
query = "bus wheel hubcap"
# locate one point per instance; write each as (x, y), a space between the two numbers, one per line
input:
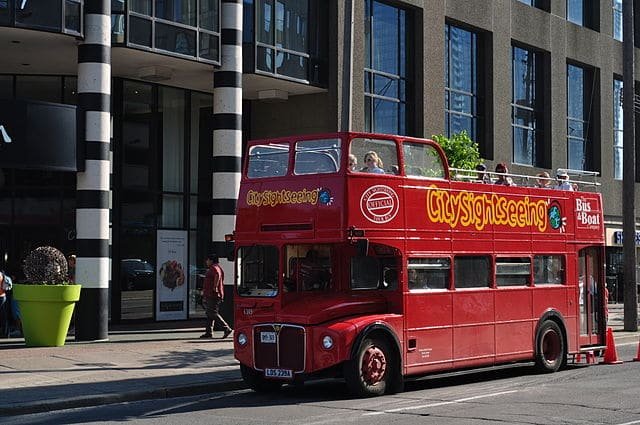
(374, 364)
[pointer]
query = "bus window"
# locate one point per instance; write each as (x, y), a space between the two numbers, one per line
(308, 267)
(364, 273)
(513, 271)
(384, 149)
(317, 156)
(422, 160)
(428, 273)
(548, 269)
(268, 160)
(471, 271)
(257, 269)
(374, 273)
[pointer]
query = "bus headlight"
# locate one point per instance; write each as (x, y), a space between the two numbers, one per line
(327, 342)
(242, 338)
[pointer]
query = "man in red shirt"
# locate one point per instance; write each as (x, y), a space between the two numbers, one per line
(212, 295)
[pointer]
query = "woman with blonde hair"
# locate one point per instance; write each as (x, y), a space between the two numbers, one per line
(373, 163)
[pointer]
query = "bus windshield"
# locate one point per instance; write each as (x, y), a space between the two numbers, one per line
(257, 271)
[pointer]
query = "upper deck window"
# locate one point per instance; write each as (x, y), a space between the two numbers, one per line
(383, 151)
(317, 156)
(422, 161)
(268, 160)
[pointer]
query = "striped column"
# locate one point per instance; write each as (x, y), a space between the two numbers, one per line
(227, 126)
(92, 210)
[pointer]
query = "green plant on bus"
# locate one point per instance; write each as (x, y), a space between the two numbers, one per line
(461, 151)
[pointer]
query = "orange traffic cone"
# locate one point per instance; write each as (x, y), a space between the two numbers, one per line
(637, 359)
(610, 353)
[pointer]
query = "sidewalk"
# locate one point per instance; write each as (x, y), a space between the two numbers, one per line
(138, 362)
(133, 365)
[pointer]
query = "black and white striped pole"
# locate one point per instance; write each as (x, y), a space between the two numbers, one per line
(92, 197)
(227, 126)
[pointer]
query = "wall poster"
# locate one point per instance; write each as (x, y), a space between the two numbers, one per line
(171, 282)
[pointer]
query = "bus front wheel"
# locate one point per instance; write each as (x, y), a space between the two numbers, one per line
(257, 382)
(371, 372)
(550, 347)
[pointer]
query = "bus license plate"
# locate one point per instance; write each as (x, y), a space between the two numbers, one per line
(278, 373)
(268, 337)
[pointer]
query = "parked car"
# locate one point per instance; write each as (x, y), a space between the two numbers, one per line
(136, 275)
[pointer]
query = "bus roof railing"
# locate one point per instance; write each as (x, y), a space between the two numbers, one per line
(526, 180)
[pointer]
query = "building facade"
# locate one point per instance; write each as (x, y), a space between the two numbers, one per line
(124, 121)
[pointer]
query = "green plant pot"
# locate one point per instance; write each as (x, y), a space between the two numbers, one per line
(46, 312)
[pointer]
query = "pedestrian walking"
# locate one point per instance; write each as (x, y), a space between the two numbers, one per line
(212, 297)
(5, 286)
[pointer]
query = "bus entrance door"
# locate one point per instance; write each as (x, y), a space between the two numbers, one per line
(590, 297)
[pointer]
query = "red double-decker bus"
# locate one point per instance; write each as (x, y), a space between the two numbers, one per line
(397, 269)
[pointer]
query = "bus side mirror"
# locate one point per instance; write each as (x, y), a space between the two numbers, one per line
(362, 247)
(229, 248)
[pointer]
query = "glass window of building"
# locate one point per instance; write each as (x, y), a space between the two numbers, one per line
(526, 105)
(180, 11)
(579, 103)
(575, 11)
(617, 129)
(162, 146)
(183, 27)
(282, 35)
(37, 87)
(387, 69)
(41, 14)
(171, 109)
(584, 13)
(461, 81)
(617, 19)
(540, 4)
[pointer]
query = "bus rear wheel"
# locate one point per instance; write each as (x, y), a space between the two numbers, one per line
(550, 347)
(257, 382)
(371, 372)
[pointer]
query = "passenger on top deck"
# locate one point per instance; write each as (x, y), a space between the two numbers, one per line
(543, 180)
(373, 163)
(501, 170)
(481, 175)
(353, 162)
(563, 180)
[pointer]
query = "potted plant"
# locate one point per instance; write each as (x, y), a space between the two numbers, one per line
(46, 298)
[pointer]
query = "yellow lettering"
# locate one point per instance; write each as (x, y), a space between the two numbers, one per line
(269, 198)
(479, 210)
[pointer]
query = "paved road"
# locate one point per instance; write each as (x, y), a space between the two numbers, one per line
(596, 394)
(137, 364)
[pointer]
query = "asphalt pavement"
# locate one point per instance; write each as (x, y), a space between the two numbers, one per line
(138, 362)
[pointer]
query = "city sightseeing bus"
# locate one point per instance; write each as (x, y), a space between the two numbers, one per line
(380, 277)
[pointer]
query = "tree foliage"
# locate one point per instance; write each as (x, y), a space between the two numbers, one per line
(461, 151)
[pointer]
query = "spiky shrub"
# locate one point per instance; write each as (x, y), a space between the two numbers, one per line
(46, 265)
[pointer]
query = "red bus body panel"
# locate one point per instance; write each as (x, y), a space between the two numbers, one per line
(451, 328)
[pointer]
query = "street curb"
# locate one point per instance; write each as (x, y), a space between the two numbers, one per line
(104, 399)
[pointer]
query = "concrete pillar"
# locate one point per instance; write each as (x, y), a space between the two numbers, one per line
(92, 198)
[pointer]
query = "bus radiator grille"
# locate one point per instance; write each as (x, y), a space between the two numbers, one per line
(287, 352)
